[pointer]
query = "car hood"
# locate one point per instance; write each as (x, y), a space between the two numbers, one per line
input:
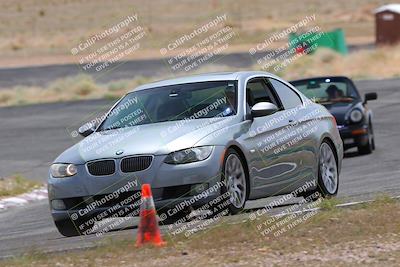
(155, 139)
(339, 110)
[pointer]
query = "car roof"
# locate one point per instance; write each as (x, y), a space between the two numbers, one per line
(321, 77)
(215, 76)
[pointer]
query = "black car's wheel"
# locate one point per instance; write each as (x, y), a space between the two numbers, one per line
(373, 136)
(70, 228)
(235, 181)
(370, 145)
(328, 175)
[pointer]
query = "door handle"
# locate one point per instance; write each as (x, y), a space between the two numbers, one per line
(292, 122)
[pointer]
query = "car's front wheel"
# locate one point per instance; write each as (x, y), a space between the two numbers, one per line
(370, 145)
(235, 181)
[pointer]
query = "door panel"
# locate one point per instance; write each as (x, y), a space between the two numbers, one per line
(302, 129)
(271, 165)
(282, 155)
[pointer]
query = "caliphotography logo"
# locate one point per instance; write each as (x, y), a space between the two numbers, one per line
(201, 133)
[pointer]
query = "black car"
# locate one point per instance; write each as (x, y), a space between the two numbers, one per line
(340, 96)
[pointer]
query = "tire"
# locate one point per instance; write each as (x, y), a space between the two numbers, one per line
(373, 136)
(235, 179)
(370, 145)
(68, 228)
(328, 176)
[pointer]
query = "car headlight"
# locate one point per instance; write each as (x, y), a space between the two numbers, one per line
(356, 115)
(60, 170)
(189, 155)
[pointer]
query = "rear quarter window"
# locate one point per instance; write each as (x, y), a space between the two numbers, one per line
(289, 98)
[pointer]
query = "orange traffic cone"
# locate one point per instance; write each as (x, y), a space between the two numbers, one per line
(148, 231)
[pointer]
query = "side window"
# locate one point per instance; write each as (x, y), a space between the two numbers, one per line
(289, 98)
(258, 90)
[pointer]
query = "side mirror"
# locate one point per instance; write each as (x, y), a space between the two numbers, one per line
(370, 96)
(263, 109)
(87, 129)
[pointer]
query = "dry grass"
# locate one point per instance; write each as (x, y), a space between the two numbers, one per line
(364, 64)
(69, 89)
(367, 235)
(15, 185)
(42, 28)
(80, 87)
(379, 63)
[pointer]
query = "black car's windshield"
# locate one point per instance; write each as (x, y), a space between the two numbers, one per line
(324, 90)
(175, 102)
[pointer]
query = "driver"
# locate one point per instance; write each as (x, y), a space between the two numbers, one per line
(333, 92)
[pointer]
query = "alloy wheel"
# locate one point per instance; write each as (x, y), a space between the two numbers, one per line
(328, 168)
(235, 180)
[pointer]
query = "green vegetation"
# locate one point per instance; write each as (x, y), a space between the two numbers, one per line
(329, 204)
(16, 185)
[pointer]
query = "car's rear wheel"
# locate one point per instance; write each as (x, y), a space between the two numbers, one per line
(235, 181)
(370, 145)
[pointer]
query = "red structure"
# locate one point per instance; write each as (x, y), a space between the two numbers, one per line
(388, 24)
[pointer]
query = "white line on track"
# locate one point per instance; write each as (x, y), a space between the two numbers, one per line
(23, 199)
(342, 205)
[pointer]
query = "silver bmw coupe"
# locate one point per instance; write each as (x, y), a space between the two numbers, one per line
(236, 136)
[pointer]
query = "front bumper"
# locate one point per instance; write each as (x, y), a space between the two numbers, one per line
(89, 196)
(353, 135)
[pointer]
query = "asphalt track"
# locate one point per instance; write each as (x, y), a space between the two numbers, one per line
(43, 75)
(32, 136)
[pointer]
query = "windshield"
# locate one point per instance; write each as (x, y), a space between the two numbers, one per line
(172, 103)
(324, 90)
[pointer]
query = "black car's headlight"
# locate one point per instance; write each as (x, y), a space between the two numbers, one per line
(356, 115)
(60, 170)
(189, 155)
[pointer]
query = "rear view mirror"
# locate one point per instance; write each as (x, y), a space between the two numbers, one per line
(370, 96)
(263, 109)
(87, 129)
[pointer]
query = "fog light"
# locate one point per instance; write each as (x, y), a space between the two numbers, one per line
(58, 204)
(198, 188)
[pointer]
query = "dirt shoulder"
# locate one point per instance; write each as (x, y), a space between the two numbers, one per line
(368, 234)
(44, 32)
